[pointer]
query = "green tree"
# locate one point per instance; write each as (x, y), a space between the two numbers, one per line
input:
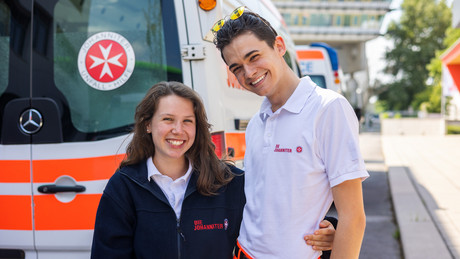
(416, 37)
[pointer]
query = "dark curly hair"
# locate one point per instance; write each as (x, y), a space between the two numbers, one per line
(247, 22)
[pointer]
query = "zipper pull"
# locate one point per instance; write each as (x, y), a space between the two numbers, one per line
(179, 231)
(182, 235)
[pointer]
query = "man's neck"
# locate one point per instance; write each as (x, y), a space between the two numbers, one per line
(289, 84)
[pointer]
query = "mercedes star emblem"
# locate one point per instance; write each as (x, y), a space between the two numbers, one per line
(30, 121)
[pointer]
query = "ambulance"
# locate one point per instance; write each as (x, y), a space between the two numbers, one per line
(71, 75)
(320, 62)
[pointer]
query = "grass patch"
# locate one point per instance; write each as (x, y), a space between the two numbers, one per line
(453, 129)
(397, 234)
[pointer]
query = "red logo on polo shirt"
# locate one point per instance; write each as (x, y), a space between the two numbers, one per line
(299, 149)
(278, 149)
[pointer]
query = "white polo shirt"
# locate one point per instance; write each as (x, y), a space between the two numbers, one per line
(174, 190)
(293, 158)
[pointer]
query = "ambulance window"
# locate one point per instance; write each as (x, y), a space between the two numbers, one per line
(137, 31)
(319, 80)
(4, 45)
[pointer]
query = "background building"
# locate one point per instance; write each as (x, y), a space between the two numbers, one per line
(346, 25)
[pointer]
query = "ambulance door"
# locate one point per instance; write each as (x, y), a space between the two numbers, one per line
(16, 204)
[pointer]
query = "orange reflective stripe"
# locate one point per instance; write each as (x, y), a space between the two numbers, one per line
(242, 250)
(15, 212)
(236, 140)
(14, 171)
(81, 169)
(309, 54)
(80, 213)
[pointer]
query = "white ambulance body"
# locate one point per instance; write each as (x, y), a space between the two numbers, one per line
(71, 75)
(319, 61)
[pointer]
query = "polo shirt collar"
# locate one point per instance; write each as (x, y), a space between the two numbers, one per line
(294, 104)
(152, 170)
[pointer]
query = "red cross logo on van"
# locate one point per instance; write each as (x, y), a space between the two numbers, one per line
(106, 61)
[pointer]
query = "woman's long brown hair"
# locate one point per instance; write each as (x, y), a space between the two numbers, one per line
(212, 172)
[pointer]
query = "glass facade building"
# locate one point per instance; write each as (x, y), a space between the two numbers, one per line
(345, 25)
(333, 20)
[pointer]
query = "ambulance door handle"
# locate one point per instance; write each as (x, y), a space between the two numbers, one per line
(52, 188)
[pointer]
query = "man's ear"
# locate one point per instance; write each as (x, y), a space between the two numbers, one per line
(280, 46)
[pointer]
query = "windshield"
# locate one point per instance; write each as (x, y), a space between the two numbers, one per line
(4, 45)
(319, 80)
(107, 54)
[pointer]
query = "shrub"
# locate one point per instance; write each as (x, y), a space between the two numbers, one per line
(453, 129)
(384, 115)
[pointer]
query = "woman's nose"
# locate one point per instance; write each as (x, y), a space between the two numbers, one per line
(177, 128)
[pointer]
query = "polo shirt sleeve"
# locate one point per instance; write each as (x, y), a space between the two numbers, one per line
(338, 142)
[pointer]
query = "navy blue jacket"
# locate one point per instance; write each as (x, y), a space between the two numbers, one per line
(135, 220)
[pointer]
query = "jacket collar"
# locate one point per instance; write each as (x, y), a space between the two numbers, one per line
(138, 174)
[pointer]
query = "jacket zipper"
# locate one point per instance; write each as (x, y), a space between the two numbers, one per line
(179, 230)
(179, 235)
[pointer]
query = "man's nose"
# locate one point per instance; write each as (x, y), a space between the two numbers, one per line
(249, 71)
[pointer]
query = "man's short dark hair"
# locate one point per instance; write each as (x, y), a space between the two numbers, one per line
(247, 22)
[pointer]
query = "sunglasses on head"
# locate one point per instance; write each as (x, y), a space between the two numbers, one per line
(237, 13)
(233, 16)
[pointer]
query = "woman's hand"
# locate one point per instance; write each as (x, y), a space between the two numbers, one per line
(322, 239)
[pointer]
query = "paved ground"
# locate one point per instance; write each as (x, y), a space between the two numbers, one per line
(415, 180)
(381, 239)
(424, 175)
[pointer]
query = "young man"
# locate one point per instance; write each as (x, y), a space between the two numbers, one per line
(302, 149)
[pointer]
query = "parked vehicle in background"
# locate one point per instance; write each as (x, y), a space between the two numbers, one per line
(71, 77)
(320, 62)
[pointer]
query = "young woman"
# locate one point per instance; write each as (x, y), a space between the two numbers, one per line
(171, 197)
